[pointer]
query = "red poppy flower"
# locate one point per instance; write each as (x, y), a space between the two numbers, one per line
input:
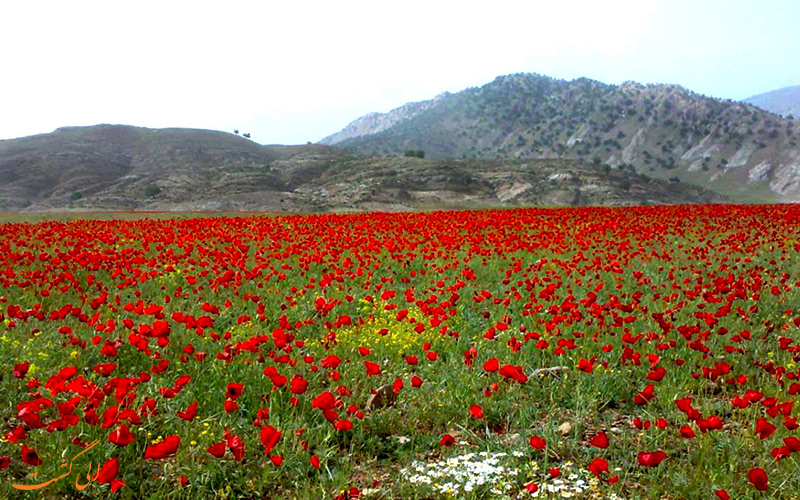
(758, 478)
(753, 396)
(513, 372)
(108, 471)
(713, 422)
(740, 402)
(30, 457)
(585, 366)
(298, 385)
(537, 442)
(476, 411)
(237, 446)
(644, 396)
(598, 466)
(722, 495)
(349, 494)
(397, 386)
(231, 406)
(764, 428)
(189, 413)
(314, 461)
(332, 362)
(16, 434)
(650, 458)
(599, 440)
(554, 472)
(447, 440)
(4, 462)
(657, 374)
(343, 425)
(416, 382)
(234, 390)
(687, 432)
(105, 369)
(121, 436)
(21, 369)
(269, 438)
(164, 449)
(792, 443)
(217, 449)
(325, 401)
(372, 368)
(532, 487)
(491, 365)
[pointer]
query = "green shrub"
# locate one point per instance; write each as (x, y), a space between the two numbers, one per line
(152, 190)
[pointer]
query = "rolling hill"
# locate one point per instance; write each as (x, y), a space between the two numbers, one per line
(117, 167)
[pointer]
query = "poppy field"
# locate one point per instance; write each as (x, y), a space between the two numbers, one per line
(638, 352)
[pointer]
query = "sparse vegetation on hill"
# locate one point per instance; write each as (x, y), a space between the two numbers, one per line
(128, 168)
(664, 131)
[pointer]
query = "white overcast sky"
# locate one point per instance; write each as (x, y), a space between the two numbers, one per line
(291, 71)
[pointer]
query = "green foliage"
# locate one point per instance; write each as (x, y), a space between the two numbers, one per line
(414, 153)
(152, 190)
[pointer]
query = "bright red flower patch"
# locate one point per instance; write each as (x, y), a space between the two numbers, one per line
(675, 326)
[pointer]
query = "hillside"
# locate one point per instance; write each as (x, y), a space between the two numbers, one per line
(663, 131)
(115, 167)
(785, 101)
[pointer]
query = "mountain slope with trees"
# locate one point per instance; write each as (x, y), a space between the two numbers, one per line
(663, 131)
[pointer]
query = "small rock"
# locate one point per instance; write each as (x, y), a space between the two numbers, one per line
(511, 439)
(565, 428)
(380, 397)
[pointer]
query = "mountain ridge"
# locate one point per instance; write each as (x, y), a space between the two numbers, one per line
(662, 130)
(784, 101)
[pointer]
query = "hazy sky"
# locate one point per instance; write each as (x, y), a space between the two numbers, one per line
(292, 71)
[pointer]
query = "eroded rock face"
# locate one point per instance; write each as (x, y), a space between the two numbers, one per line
(760, 172)
(374, 123)
(786, 181)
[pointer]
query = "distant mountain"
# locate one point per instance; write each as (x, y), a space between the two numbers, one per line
(785, 101)
(664, 131)
(116, 167)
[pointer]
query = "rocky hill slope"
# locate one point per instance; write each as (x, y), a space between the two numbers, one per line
(113, 167)
(663, 131)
